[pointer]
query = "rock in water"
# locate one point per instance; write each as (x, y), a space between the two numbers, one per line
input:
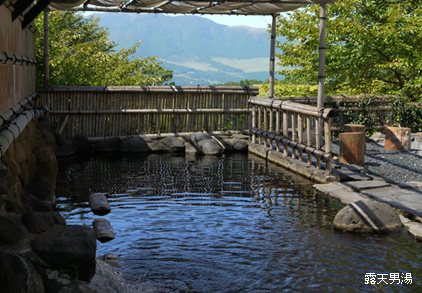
(135, 145)
(103, 230)
(99, 204)
(74, 246)
(81, 143)
(169, 144)
(64, 146)
(368, 216)
(111, 144)
(210, 147)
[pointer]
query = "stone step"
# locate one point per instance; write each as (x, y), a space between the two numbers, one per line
(347, 175)
(362, 185)
(408, 200)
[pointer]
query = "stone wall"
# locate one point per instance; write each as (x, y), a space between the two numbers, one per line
(38, 251)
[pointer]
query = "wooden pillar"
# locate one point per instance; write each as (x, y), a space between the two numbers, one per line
(272, 56)
(397, 139)
(352, 148)
(45, 59)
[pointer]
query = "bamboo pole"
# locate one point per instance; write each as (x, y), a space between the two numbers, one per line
(45, 59)
(254, 122)
(272, 55)
(259, 123)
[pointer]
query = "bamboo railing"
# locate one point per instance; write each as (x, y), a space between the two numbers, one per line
(377, 115)
(121, 111)
(289, 131)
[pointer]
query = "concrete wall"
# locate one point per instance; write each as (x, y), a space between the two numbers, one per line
(16, 81)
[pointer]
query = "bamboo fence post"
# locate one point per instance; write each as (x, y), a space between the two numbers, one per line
(294, 119)
(253, 123)
(265, 125)
(327, 136)
(300, 133)
(259, 123)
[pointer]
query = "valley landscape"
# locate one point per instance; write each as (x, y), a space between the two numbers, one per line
(198, 50)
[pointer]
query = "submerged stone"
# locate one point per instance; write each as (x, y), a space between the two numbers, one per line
(368, 216)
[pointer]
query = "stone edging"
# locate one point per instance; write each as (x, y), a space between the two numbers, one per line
(308, 171)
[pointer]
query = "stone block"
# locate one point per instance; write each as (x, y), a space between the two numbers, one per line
(397, 139)
(352, 148)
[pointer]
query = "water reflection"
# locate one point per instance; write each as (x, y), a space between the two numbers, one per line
(226, 224)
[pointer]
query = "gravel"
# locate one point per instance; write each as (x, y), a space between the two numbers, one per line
(394, 167)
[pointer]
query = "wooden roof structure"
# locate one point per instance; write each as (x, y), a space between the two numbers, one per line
(29, 9)
(227, 7)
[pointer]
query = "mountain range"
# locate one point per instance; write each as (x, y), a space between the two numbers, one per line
(198, 50)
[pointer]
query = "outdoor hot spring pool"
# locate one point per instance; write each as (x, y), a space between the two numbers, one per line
(232, 223)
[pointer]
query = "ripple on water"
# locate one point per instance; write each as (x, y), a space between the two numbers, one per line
(227, 224)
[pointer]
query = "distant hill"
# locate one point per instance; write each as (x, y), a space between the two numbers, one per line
(198, 50)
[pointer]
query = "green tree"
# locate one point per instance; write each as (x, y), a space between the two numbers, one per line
(81, 54)
(373, 47)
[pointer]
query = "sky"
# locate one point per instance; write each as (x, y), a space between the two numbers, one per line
(256, 21)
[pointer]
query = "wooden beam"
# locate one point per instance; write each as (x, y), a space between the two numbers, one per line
(19, 7)
(35, 10)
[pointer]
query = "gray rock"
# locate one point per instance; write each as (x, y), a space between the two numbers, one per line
(111, 144)
(135, 145)
(42, 188)
(191, 148)
(81, 144)
(196, 137)
(227, 144)
(210, 147)
(18, 275)
(368, 216)
(378, 137)
(40, 222)
(34, 204)
(107, 280)
(240, 145)
(64, 146)
(9, 233)
(49, 126)
(46, 163)
(168, 144)
(240, 136)
(74, 246)
(49, 138)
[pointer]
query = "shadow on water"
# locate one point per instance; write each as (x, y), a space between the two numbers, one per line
(227, 224)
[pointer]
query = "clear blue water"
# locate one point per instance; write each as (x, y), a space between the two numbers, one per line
(227, 224)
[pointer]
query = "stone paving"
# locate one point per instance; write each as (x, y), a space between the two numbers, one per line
(355, 185)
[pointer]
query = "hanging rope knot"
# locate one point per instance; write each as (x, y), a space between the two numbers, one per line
(321, 111)
(7, 58)
(16, 59)
(307, 99)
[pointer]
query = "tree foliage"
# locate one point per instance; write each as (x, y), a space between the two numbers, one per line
(81, 54)
(372, 47)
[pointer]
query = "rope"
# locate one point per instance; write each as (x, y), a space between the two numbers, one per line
(7, 58)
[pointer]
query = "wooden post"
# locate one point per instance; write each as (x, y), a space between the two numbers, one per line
(45, 59)
(272, 56)
(352, 148)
